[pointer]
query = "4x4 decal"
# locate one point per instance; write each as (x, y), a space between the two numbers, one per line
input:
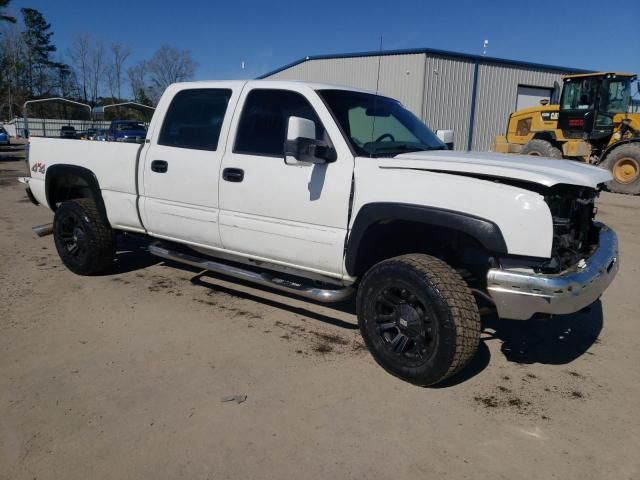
(38, 167)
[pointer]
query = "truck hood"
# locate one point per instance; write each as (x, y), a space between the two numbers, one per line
(540, 170)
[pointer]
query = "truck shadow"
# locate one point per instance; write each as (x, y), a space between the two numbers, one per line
(131, 255)
(477, 364)
(556, 340)
(347, 306)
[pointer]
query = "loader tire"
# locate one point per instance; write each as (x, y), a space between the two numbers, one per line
(624, 164)
(541, 148)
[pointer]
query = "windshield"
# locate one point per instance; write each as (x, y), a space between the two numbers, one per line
(580, 93)
(379, 126)
(616, 94)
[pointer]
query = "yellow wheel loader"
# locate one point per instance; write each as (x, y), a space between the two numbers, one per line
(592, 123)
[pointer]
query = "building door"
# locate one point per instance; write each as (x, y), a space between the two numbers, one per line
(531, 96)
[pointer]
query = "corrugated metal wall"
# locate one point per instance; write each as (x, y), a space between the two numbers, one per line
(497, 95)
(401, 76)
(438, 89)
(447, 94)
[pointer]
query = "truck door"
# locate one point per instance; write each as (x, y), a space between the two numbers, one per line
(179, 187)
(290, 214)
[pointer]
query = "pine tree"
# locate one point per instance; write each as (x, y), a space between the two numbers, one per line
(142, 98)
(37, 38)
(5, 18)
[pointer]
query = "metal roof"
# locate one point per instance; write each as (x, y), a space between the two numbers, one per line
(435, 52)
(132, 105)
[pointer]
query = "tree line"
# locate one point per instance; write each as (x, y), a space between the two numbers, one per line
(91, 71)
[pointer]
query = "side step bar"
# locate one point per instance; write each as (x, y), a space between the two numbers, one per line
(260, 278)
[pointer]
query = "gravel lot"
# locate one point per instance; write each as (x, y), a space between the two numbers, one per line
(125, 376)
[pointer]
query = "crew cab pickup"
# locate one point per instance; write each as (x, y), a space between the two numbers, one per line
(325, 192)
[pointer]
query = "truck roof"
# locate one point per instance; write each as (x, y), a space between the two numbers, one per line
(269, 84)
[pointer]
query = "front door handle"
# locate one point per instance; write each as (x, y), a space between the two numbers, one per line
(233, 174)
(159, 166)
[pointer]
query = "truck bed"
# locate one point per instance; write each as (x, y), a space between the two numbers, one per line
(112, 163)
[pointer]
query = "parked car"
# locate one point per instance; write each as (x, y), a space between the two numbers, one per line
(69, 132)
(90, 133)
(324, 192)
(129, 131)
(4, 137)
(101, 135)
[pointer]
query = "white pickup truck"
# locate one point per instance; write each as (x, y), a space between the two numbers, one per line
(326, 191)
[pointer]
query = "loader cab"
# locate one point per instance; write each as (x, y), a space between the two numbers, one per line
(589, 103)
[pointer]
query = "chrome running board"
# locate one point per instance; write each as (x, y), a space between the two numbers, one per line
(260, 278)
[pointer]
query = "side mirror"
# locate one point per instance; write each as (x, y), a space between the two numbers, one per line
(446, 137)
(301, 146)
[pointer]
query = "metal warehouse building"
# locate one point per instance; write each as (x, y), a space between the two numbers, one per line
(471, 94)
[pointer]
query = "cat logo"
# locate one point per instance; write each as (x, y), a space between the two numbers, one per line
(549, 116)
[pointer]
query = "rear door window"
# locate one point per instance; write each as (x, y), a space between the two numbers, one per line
(194, 119)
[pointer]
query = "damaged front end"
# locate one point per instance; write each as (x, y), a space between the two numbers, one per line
(583, 263)
(575, 232)
(575, 235)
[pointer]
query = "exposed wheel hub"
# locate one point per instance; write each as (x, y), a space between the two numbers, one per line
(626, 170)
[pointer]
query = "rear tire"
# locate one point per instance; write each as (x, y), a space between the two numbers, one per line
(541, 148)
(83, 238)
(418, 318)
(624, 164)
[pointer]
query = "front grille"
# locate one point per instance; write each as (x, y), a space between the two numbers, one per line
(574, 234)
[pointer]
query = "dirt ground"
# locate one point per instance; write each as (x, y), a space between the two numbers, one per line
(126, 376)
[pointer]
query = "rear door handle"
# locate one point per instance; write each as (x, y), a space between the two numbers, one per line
(159, 166)
(233, 174)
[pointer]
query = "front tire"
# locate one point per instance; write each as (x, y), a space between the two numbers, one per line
(541, 148)
(418, 318)
(624, 164)
(83, 238)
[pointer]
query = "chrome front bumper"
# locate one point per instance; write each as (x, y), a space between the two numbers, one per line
(519, 295)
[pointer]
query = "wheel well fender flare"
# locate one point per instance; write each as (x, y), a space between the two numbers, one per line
(548, 136)
(63, 170)
(486, 232)
(610, 148)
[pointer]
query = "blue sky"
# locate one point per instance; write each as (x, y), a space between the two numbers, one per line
(266, 35)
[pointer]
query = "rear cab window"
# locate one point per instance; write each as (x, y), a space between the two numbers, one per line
(194, 119)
